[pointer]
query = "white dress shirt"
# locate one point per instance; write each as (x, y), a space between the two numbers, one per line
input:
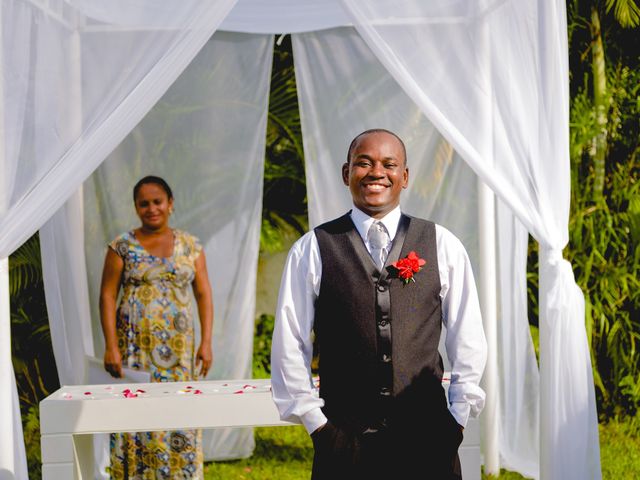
(292, 348)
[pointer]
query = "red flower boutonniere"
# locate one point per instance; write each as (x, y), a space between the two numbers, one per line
(408, 266)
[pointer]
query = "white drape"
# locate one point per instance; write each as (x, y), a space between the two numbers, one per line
(519, 379)
(50, 143)
(493, 77)
(123, 73)
(285, 16)
(206, 138)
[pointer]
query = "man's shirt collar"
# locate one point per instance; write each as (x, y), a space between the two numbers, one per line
(362, 221)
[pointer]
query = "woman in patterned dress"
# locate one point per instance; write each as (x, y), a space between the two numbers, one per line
(152, 327)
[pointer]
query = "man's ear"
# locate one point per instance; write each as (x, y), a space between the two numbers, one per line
(345, 173)
(406, 178)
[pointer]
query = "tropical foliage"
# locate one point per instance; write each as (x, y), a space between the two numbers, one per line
(605, 216)
(32, 356)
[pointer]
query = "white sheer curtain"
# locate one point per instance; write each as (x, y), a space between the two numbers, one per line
(492, 76)
(69, 97)
(518, 374)
(55, 56)
(343, 90)
(206, 138)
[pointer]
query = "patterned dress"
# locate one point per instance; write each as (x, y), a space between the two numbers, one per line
(155, 333)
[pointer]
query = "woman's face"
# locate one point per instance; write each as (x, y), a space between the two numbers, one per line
(153, 206)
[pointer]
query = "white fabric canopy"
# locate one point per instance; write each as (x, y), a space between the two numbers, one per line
(491, 76)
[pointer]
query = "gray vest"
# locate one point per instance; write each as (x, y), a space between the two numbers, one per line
(377, 338)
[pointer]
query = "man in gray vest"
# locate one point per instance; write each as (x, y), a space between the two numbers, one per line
(375, 286)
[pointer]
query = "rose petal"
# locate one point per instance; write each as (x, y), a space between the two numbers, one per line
(197, 392)
(87, 393)
(239, 391)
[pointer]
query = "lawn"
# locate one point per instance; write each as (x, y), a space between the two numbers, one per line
(285, 453)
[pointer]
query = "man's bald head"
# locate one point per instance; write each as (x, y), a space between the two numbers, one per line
(373, 131)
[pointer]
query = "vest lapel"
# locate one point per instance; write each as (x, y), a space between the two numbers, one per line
(361, 251)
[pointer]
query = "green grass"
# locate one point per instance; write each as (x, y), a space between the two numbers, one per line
(619, 451)
(285, 453)
(282, 453)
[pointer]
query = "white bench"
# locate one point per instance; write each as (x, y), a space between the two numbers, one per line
(70, 416)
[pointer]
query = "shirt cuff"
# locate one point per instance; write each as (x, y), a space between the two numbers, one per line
(313, 419)
(469, 394)
(460, 412)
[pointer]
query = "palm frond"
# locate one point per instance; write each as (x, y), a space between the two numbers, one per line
(626, 12)
(25, 266)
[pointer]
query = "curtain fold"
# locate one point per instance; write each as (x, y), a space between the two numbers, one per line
(67, 296)
(518, 373)
(492, 76)
(124, 72)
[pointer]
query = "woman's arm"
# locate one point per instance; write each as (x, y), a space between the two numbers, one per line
(202, 293)
(111, 278)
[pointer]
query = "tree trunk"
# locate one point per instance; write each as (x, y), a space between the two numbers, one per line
(599, 148)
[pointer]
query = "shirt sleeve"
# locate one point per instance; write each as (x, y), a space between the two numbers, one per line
(465, 342)
(292, 344)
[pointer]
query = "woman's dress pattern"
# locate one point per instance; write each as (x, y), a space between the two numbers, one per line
(155, 333)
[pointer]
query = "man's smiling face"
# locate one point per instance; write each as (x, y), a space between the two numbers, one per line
(376, 173)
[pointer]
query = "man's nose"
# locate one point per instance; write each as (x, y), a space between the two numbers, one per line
(377, 170)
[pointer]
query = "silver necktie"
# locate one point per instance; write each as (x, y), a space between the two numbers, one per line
(378, 241)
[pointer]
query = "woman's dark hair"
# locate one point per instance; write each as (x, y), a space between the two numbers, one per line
(152, 179)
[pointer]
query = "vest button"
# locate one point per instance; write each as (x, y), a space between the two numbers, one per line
(383, 323)
(385, 392)
(382, 288)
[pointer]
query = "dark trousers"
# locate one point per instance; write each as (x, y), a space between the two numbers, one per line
(428, 453)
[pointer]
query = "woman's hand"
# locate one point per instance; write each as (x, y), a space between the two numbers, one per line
(113, 362)
(204, 358)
